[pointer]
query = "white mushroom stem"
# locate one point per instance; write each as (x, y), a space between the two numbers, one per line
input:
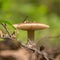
(30, 35)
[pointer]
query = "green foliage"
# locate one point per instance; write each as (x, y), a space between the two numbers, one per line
(7, 22)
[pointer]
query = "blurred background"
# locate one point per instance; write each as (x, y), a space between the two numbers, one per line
(43, 11)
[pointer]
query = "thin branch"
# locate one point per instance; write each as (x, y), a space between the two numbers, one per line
(33, 47)
(25, 19)
(4, 25)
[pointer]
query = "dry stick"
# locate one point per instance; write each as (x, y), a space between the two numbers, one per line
(43, 54)
(6, 29)
(36, 50)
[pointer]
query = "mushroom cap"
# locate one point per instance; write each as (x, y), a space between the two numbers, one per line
(30, 26)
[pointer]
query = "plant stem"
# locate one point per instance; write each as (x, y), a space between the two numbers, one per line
(6, 29)
(25, 19)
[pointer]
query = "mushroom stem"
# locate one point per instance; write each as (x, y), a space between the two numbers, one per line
(30, 34)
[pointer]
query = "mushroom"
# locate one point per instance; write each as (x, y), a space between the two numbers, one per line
(30, 28)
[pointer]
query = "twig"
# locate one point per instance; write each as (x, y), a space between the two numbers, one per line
(6, 29)
(33, 47)
(25, 19)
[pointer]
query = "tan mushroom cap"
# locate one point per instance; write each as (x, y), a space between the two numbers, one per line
(31, 26)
